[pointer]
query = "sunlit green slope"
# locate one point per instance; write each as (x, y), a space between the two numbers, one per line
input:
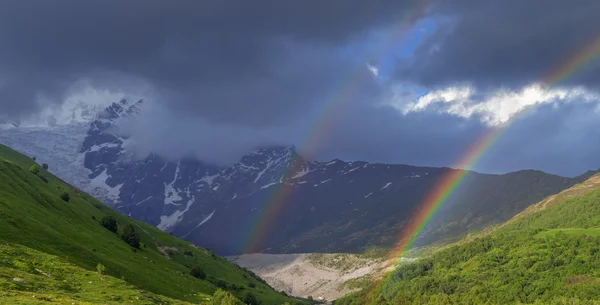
(39, 230)
(548, 254)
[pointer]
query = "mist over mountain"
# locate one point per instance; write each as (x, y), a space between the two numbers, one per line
(331, 206)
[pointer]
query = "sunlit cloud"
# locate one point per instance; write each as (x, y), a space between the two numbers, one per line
(492, 108)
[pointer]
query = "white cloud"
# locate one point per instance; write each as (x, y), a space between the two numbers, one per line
(374, 70)
(493, 108)
(81, 105)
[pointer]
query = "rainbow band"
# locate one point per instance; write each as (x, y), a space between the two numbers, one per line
(450, 181)
(573, 63)
(333, 108)
(442, 190)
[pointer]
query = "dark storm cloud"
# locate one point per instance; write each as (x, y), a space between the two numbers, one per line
(557, 138)
(561, 140)
(510, 43)
(226, 60)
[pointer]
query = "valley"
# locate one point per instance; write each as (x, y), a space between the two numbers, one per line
(546, 254)
(391, 152)
(328, 243)
(329, 207)
(321, 276)
(60, 244)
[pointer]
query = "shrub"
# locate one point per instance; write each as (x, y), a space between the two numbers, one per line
(251, 285)
(33, 158)
(65, 196)
(45, 166)
(250, 299)
(110, 223)
(34, 169)
(219, 283)
(100, 268)
(223, 297)
(130, 236)
(198, 273)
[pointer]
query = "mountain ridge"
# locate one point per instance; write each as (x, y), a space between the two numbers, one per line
(41, 224)
(334, 206)
(547, 254)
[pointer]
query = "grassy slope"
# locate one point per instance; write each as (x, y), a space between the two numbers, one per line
(548, 254)
(34, 277)
(33, 215)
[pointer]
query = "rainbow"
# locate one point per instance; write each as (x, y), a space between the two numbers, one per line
(442, 190)
(446, 185)
(331, 111)
(575, 62)
(450, 181)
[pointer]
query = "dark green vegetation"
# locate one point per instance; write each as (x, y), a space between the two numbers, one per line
(483, 200)
(548, 254)
(197, 273)
(58, 251)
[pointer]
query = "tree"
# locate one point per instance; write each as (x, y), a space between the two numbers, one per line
(198, 273)
(130, 236)
(110, 223)
(45, 166)
(250, 299)
(222, 297)
(65, 196)
(34, 169)
(33, 158)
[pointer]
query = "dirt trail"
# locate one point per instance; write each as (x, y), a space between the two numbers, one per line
(318, 275)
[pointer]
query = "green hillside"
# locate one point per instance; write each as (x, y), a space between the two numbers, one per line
(548, 254)
(53, 248)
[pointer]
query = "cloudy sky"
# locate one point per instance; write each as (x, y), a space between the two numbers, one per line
(399, 81)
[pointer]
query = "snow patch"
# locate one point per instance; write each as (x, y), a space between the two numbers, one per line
(246, 167)
(386, 185)
(57, 146)
(144, 200)
(99, 185)
(351, 170)
(273, 163)
(209, 179)
(206, 219)
(167, 222)
(331, 163)
(369, 194)
(97, 147)
(171, 194)
(325, 181)
(301, 173)
(268, 185)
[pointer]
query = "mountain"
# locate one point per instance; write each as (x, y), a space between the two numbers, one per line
(55, 247)
(547, 254)
(334, 206)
